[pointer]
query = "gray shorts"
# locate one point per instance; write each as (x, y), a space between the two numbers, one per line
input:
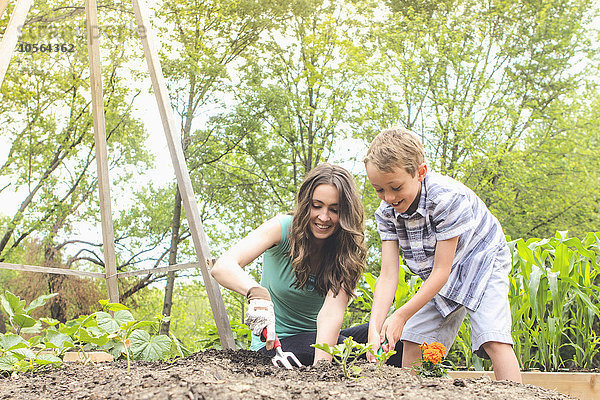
(491, 322)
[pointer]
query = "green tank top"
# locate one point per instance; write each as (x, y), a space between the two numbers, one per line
(296, 309)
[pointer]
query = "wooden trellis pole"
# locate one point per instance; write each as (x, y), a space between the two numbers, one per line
(7, 47)
(108, 237)
(183, 177)
(11, 34)
(3, 5)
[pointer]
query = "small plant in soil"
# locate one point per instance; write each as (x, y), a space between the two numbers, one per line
(381, 357)
(431, 361)
(346, 354)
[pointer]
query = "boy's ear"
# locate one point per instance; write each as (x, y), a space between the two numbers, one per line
(421, 172)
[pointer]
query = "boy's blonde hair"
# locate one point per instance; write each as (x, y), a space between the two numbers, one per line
(396, 148)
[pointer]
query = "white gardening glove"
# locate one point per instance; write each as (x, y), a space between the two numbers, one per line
(260, 314)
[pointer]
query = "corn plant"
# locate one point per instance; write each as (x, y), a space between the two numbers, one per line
(554, 295)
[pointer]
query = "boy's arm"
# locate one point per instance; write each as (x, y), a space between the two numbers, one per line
(442, 265)
(329, 322)
(385, 289)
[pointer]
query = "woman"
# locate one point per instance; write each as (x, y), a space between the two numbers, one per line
(312, 261)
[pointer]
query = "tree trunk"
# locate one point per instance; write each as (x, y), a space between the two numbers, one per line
(57, 304)
(168, 300)
(2, 323)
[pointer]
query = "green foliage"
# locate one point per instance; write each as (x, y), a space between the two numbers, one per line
(18, 313)
(346, 354)
(554, 301)
(408, 285)
(491, 90)
(554, 288)
(428, 369)
(241, 334)
(113, 330)
(18, 354)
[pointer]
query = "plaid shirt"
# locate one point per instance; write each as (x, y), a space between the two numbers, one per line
(447, 209)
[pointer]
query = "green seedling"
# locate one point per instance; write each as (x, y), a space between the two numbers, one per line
(381, 356)
(346, 354)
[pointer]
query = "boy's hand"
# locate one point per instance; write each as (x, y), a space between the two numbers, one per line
(392, 329)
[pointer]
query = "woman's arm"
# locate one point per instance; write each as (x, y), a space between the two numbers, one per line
(228, 270)
(329, 322)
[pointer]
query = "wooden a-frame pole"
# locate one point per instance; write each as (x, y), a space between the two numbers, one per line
(7, 46)
(11, 34)
(108, 237)
(181, 172)
(3, 5)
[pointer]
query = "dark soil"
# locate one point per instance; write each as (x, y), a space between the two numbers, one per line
(248, 375)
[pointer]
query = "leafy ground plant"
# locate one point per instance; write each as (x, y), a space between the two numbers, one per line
(113, 330)
(431, 361)
(126, 336)
(346, 354)
(18, 354)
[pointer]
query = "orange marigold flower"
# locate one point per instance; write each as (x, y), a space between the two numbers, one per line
(424, 346)
(438, 346)
(432, 355)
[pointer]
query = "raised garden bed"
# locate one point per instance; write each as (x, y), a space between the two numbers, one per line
(248, 375)
(583, 385)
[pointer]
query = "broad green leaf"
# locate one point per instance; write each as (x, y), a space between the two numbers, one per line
(370, 280)
(40, 301)
(10, 340)
(16, 305)
(149, 348)
(35, 329)
(117, 349)
(86, 337)
(23, 320)
(45, 359)
(111, 324)
(7, 362)
(34, 341)
(112, 306)
(6, 306)
(50, 321)
(57, 339)
(22, 353)
(534, 284)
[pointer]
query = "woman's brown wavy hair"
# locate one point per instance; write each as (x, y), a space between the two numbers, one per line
(343, 255)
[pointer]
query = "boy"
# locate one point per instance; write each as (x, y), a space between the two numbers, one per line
(451, 240)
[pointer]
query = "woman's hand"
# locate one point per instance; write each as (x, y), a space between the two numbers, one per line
(375, 340)
(260, 315)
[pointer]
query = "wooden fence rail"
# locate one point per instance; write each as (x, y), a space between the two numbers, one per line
(99, 275)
